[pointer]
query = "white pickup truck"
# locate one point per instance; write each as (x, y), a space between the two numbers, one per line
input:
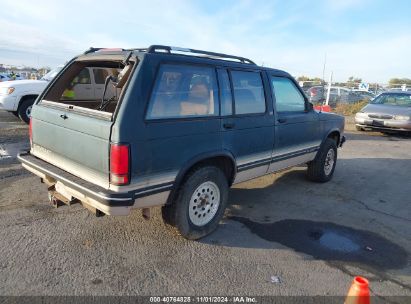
(18, 96)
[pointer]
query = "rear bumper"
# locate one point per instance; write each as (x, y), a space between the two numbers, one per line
(107, 201)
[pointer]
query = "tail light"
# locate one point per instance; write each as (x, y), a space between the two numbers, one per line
(119, 164)
(31, 132)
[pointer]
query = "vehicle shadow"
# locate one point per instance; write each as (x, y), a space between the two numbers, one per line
(338, 221)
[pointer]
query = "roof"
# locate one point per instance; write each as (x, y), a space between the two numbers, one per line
(181, 53)
(397, 92)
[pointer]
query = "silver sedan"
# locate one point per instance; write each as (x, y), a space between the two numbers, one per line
(388, 111)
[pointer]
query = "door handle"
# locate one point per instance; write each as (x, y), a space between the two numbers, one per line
(228, 125)
(64, 116)
(282, 120)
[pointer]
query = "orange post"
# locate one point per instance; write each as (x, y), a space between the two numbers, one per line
(359, 292)
(323, 108)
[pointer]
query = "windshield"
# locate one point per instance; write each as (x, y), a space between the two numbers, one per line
(393, 99)
(50, 75)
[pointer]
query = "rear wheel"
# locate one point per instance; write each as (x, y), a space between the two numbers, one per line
(200, 203)
(321, 169)
(24, 110)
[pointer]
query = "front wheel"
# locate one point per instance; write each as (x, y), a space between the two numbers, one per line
(321, 169)
(200, 203)
(24, 110)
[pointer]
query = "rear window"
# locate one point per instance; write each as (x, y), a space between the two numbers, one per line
(182, 91)
(82, 84)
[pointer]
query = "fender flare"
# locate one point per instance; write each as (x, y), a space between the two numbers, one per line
(332, 131)
(195, 160)
(22, 95)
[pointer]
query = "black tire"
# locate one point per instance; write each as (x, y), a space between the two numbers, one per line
(14, 113)
(358, 128)
(317, 168)
(24, 107)
(177, 213)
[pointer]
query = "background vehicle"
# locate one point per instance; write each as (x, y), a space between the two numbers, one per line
(4, 77)
(177, 131)
(364, 95)
(389, 111)
(317, 94)
(19, 96)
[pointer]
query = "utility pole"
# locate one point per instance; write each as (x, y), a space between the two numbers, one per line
(329, 89)
(325, 62)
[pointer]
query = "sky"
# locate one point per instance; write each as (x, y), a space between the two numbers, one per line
(368, 39)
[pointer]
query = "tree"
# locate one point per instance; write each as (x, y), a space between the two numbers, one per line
(306, 78)
(353, 80)
(393, 82)
(303, 78)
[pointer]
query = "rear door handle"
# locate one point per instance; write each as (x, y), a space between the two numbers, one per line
(228, 125)
(64, 116)
(282, 120)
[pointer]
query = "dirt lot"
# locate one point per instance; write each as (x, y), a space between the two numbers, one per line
(314, 237)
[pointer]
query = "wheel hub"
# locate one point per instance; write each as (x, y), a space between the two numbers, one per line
(329, 162)
(204, 203)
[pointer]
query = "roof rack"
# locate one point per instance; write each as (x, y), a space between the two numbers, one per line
(93, 50)
(169, 49)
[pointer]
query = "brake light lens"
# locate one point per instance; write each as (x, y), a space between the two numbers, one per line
(119, 164)
(31, 132)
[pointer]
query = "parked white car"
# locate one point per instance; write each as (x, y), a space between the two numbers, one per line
(18, 96)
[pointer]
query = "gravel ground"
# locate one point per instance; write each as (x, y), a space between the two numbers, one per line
(314, 237)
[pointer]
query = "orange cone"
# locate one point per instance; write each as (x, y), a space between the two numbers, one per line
(359, 292)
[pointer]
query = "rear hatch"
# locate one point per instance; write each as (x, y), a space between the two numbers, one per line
(69, 127)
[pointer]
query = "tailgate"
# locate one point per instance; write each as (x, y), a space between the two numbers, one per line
(75, 142)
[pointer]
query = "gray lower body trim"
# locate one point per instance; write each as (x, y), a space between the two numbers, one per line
(279, 162)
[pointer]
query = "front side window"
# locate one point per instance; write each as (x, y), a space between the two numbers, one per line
(287, 97)
(248, 92)
(183, 91)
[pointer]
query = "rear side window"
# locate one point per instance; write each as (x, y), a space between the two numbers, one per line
(183, 91)
(287, 97)
(248, 92)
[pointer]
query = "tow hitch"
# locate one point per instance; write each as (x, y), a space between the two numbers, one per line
(58, 200)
